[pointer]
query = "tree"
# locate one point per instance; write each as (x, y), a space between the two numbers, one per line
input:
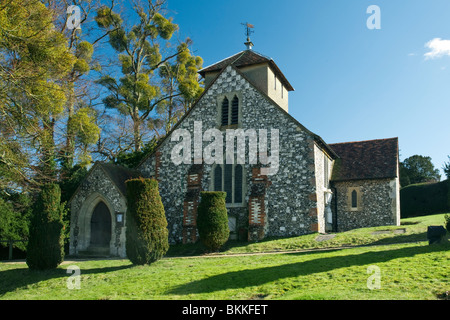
(418, 169)
(14, 217)
(33, 60)
(212, 219)
(446, 168)
(146, 234)
(132, 159)
(45, 248)
(78, 125)
(179, 82)
(143, 49)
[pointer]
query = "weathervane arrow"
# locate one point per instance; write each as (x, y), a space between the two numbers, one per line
(248, 32)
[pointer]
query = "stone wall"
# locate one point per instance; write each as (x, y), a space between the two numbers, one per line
(323, 166)
(286, 201)
(377, 204)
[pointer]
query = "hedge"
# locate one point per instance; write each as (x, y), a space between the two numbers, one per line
(146, 234)
(425, 199)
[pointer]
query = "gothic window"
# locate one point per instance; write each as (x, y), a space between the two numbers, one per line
(354, 199)
(235, 110)
(225, 108)
(229, 178)
(229, 111)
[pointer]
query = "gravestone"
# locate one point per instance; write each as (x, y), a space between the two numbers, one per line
(435, 234)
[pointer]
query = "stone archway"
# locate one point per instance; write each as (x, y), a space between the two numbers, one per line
(101, 227)
(96, 223)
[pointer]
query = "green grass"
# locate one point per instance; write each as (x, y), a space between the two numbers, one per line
(408, 271)
(415, 230)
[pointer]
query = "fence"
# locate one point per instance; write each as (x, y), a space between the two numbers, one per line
(10, 244)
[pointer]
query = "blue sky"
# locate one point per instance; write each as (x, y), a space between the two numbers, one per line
(351, 83)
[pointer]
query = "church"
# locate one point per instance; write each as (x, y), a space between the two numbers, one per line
(308, 186)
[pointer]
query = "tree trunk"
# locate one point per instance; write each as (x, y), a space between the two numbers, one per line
(136, 130)
(69, 149)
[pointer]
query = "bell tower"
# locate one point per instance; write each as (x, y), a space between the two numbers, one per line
(259, 69)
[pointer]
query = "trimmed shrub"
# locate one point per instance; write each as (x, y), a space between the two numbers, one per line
(424, 199)
(45, 248)
(212, 219)
(147, 237)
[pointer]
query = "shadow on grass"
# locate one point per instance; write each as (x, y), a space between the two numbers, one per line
(260, 276)
(402, 238)
(20, 277)
(197, 249)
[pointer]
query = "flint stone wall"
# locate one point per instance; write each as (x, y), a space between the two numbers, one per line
(287, 201)
(379, 203)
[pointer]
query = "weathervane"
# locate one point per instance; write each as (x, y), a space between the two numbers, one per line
(248, 32)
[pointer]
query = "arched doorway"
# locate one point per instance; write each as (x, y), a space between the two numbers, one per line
(101, 227)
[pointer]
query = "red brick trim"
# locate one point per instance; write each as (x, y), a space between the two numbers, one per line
(313, 212)
(313, 197)
(256, 206)
(190, 205)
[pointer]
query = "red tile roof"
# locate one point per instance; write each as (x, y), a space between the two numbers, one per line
(244, 59)
(373, 159)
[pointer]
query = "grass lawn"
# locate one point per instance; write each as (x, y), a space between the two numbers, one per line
(413, 230)
(407, 271)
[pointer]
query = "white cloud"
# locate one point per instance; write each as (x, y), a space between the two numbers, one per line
(439, 48)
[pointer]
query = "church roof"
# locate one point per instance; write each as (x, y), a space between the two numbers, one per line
(117, 174)
(247, 58)
(373, 159)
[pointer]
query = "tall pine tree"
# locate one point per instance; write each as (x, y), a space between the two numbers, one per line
(143, 49)
(34, 58)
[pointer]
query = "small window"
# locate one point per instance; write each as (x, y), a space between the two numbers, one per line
(354, 199)
(275, 81)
